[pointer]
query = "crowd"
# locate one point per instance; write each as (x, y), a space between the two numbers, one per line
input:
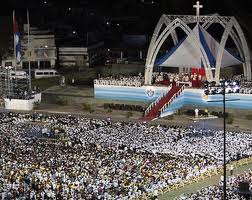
(240, 84)
(246, 88)
(100, 159)
(216, 191)
(194, 80)
(191, 79)
(164, 78)
(135, 81)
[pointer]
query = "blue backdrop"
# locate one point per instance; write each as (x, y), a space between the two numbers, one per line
(193, 97)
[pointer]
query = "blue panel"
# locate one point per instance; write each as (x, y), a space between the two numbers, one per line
(206, 48)
(129, 93)
(237, 57)
(166, 56)
(193, 97)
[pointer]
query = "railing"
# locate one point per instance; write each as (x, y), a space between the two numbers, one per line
(173, 98)
(167, 104)
(133, 83)
(154, 103)
(202, 176)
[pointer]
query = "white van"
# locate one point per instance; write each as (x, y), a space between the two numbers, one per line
(18, 74)
(45, 73)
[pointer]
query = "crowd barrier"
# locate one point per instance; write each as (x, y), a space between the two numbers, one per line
(202, 176)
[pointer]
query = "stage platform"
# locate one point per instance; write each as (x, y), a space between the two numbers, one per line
(22, 104)
(194, 97)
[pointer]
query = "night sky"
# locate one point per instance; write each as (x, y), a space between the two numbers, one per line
(227, 7)
(54, 13)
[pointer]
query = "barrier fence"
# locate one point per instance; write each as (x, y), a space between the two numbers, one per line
(195, 179)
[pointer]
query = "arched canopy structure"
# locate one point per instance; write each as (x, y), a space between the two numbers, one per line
(194, 40)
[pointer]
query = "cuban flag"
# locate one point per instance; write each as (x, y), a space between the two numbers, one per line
(17, 42)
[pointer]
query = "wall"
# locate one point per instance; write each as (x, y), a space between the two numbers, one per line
(144, 93)
(22, 104)
(18, 104)
(194, 97)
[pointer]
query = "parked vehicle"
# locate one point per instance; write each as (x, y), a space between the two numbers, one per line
(45, 73)
(18, 75)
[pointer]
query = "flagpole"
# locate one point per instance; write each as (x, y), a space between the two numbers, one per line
(14, 63)
(28, 46)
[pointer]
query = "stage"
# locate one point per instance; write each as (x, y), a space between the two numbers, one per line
(189, 96)
(22, 104)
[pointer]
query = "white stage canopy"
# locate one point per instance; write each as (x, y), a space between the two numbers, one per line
(184, 54)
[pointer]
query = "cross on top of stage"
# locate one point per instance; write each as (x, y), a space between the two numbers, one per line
(198, 7)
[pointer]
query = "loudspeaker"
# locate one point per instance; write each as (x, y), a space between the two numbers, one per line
(243, 186)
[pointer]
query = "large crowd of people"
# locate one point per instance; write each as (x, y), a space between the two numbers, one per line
(216, 191)
(194, 80)
(246, 87)
(158, 78)
(101, 159)
(190, 79)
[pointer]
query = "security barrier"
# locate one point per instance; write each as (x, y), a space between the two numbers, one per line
(202, 176)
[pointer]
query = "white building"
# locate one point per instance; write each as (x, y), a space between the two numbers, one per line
(80, 56)
(42, 50)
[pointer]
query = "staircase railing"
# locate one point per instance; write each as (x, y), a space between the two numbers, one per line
(154, 103)
(173, 98)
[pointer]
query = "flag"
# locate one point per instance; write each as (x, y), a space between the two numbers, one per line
(17, 42)
(195, 70)
(202, 72)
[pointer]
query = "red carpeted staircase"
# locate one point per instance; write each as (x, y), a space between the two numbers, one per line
(155, 108)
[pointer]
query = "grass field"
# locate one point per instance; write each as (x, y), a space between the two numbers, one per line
(86, 76)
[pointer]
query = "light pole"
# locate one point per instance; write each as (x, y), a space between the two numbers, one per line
(223, 92)
(224, 143)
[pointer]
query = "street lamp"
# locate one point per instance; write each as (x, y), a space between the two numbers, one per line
(224, 141)
(212, 89)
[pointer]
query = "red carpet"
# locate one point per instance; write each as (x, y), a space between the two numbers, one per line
(155, 110)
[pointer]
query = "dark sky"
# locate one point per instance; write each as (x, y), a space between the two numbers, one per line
(228, 7)
(147, 12)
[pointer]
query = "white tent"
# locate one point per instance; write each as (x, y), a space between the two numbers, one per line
(184, 54)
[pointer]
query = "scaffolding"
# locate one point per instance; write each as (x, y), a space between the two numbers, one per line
(13, 86)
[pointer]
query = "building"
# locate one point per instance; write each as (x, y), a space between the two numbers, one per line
(81, 56)
(43, 52)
